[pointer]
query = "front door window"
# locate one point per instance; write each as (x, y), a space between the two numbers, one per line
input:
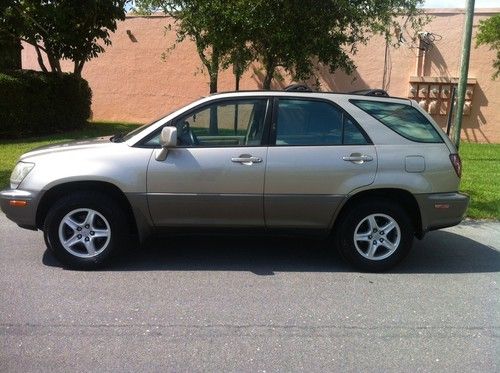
(227, 123)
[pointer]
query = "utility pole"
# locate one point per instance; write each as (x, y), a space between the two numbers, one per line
(464, 69)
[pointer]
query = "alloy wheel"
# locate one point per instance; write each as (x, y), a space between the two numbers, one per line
(84, 233)
(377, 236)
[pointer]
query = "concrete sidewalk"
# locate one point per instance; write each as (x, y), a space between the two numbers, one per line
(485, 231)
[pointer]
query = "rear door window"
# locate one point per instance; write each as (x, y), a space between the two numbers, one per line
(314, 122)
(403, 119)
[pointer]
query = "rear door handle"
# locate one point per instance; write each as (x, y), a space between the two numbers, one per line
(358, 158)
(246, 159)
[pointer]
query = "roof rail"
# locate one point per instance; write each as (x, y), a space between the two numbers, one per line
(370, 92)
(297, 87)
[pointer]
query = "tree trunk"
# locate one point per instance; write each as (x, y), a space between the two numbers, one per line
(213, 71)
(214, 75)
(213, 130)
(236, 116)
(266, 84)
(270, 67)
(78, 68)
(238, 78)
(212, 66)
(40, 58)
(54, 63)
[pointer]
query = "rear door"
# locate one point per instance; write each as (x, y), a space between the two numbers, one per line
(318, 154)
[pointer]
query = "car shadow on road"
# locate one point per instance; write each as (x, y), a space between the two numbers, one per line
(439, 252)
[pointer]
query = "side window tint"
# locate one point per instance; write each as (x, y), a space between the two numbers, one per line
(153, 141)
(403, 119)
(230, 123)
(303, 122)
(352, 134)
(225, 123)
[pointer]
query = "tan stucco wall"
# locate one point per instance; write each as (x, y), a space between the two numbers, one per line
(131, 82)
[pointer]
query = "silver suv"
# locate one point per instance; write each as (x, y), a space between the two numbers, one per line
(371, 172)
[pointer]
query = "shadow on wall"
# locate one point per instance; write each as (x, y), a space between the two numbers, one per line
(434, 63)
(472, 123)
(476, 119)
(258, 77)
(337, 82)
(131, 36)
(436, 66)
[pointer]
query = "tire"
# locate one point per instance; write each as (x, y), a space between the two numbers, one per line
(85, 230)
(366, 246)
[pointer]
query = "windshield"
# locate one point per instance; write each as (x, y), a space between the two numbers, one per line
(121, 137)
(125, 137)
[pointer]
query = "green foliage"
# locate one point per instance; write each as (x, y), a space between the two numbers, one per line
(489, 34)
(215, 26)
(10, 150)
(35, 103)
(10, 52)
(63, 29)
(299, 35)
(481, 170)
(295, 35)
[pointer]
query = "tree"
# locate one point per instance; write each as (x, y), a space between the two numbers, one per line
(296, 35)
(215, 26)
(63, 29)
(489, 34)
(239, 57)
(10, 52)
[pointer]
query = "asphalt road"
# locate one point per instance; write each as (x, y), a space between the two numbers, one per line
(242, 304)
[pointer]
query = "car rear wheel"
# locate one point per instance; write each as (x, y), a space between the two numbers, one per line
(85, 229)
(375, 236)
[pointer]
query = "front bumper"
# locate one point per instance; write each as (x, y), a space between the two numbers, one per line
(24, 216)
(441, 210)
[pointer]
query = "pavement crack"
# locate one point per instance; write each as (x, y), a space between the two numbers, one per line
(248, 330)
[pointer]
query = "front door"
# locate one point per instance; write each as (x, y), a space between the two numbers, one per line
(215, 176)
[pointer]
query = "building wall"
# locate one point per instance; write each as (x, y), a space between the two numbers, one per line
(132, 82)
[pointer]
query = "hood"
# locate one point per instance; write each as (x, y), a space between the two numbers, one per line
(69, 146)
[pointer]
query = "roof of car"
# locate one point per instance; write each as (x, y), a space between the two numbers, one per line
(355, 94)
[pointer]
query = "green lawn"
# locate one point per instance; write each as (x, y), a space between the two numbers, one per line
(10, 150)
(481, 165)
(481, 179)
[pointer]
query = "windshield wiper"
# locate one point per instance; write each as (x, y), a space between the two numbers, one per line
(117, 138)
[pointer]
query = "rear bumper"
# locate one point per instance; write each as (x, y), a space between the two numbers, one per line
(441, 210)
(24, 216)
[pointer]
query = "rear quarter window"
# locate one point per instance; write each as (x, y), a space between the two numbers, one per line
(403, 119)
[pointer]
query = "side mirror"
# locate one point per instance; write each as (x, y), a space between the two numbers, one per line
(168, 139)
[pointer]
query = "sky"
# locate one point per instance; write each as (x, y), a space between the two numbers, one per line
(456, 4)
(461, 4)
(447, 4)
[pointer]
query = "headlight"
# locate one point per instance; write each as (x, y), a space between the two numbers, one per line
(19, 173)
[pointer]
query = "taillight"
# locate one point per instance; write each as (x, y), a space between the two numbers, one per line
(457, 164)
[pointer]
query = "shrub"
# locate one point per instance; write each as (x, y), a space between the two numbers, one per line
(10, 58)
(36, 103)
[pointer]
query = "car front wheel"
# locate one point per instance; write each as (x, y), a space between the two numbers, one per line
(375, 236)
(85, 229)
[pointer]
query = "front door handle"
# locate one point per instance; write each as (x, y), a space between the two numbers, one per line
(358, 158)
(246, 159)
